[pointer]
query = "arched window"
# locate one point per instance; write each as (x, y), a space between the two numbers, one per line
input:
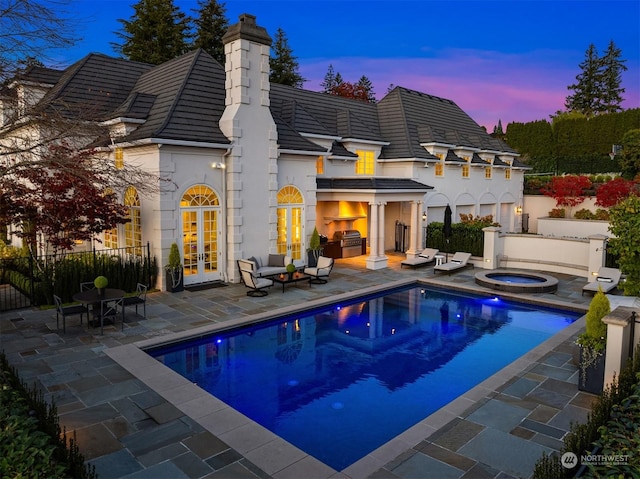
(133, 228)
(199, 195)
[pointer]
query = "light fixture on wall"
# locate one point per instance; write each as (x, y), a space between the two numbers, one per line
(424, 216)
(518, 210)
(218, 166)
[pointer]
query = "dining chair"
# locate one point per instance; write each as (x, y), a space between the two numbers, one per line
(139, 298)
(110, 309)
(86, 286)
(65, 311)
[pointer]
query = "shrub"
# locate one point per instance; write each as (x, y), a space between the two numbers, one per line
(602, 214)
(584, 214)
(557, 213)
(31, 442)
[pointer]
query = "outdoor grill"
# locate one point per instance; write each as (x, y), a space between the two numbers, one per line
(350, 242)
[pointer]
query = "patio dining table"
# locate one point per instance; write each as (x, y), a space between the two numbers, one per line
(94, 297)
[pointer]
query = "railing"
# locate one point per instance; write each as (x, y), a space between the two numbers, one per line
(32, 282)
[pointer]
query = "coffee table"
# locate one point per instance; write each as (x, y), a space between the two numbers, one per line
(286, 279)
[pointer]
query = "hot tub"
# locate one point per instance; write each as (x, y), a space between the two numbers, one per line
(517, 281)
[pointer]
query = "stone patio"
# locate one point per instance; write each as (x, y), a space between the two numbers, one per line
(131, 424)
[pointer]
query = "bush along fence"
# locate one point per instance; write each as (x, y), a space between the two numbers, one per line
(464, 237)
(32, 443)
(40, 278)
(608, 443)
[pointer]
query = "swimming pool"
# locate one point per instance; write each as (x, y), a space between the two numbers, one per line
(340, 381)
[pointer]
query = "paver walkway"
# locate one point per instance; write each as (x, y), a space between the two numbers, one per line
(127, 430)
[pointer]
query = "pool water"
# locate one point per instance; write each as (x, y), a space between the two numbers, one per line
(514, 278)
(341, 381)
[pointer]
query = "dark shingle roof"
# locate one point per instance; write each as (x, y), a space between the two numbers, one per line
(409, 118)
(371, 184)
(94, 86)
(189, 99)
(37, 74)
(477, 161)
(184, 98)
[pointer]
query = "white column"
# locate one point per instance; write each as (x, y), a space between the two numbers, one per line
(381, 206)
(373, 227)
(412, 252)
(377, 258)
(617, 350)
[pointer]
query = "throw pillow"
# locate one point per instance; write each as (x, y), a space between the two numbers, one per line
(276, 260)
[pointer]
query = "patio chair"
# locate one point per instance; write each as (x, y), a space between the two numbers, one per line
(321, 271)
(457, 261)
(86, 286)
(139, 298)
(426, 256)
(607, 280)
(109, 309)
(65, 311)
(256, 285)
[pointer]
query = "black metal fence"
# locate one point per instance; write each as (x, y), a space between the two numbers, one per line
(29, 281)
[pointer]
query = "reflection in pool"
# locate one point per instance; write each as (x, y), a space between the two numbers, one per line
(339, 382)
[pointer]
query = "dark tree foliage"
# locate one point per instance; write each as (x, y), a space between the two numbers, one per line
(211, 24)
(588, 89)
(330, 82)
(284, 66)
(612, 68)
(158, 31)
(573, 143)
(367, 86)
(630, 154)
(598, 89)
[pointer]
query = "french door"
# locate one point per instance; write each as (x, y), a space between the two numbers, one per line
(290, 228)
(200, 233)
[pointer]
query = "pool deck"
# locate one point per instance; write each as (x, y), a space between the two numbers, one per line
(133, 418)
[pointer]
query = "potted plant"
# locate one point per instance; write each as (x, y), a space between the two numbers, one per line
(291, 268)
(315, 250)
(173, 271)
(592, 345)
(101, 283)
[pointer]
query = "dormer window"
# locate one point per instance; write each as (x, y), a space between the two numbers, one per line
(365, 165)
(439, 166)
(119, 158)
(487, 172)
(320, 165)
(466, 168)
(507, 174)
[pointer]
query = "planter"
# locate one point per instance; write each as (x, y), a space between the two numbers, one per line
(174, 281)
(591, 378)
(312, 257)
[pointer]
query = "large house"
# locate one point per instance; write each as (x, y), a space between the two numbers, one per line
(256, 166)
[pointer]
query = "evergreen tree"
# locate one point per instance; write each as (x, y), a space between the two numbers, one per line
(211, 24)
(284, 66)
(367, 86)
(329, 82)
(588, 90)
(612, 68)
(158, 31)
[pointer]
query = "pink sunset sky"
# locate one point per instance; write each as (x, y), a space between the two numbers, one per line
(498, 60)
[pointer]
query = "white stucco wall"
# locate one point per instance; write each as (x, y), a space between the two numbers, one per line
(538, 206)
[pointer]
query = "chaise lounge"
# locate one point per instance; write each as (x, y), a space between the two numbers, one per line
(607, 280)
(426, 256)
(458, 261)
